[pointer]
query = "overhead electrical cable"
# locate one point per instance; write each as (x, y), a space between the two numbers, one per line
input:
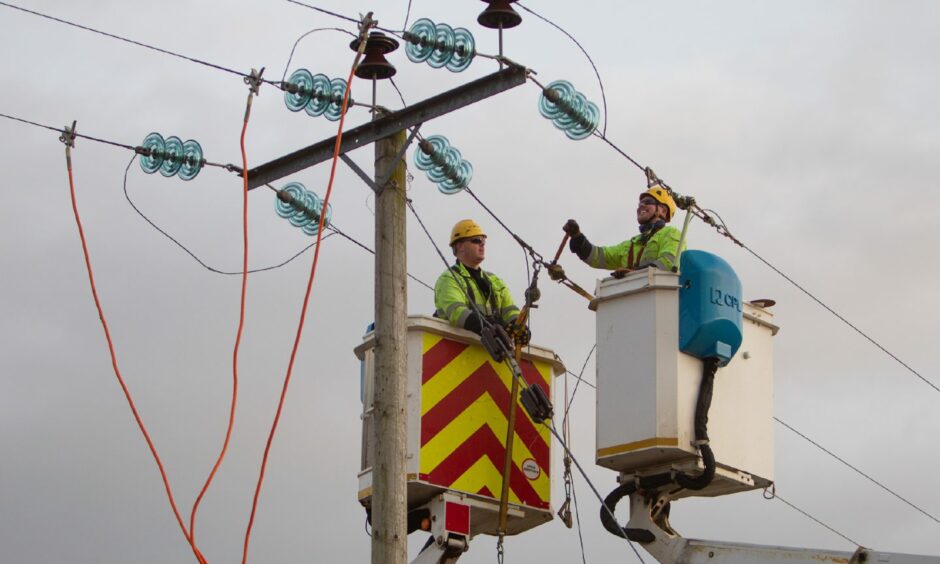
(135, 149)
(342, 17)
(303, 311)
(775, 495)
(863, 474)
(580, 378)
(69, 138)
(294, 48)
(600, 82)
(193, 255)
(723, 230)
(124, 39)
(407, 16)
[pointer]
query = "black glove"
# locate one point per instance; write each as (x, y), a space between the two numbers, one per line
(580, 246)
(520, 334)
(571, 228)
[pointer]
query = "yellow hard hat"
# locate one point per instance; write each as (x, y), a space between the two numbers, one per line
(464, 229)
(662, 196)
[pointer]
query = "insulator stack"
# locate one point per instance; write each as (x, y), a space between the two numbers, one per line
(569, 110)
(316, 94)
(302, 208)
(171, 156)
(499, 15)
(440, 45)
(443, 164)
(374, 65)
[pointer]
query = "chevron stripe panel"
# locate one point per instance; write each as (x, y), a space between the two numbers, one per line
(464, 413)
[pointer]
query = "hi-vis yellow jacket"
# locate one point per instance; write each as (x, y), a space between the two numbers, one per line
(456, 284)
(659, 250)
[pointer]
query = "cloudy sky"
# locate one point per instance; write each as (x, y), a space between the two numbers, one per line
(811, 128)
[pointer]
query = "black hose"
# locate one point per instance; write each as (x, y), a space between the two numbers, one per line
(609, 519)
(702, 405)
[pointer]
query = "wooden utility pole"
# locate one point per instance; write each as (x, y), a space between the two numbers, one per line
(387, 131)
(389, 496)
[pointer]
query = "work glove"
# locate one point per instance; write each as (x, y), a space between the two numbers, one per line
(555, 272)
(520, 333)
(620, 272)
(572, 228)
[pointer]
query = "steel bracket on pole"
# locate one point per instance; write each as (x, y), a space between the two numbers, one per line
(405, 118)
(378, 186)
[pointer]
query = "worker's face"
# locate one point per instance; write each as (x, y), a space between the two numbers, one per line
(472, 251)
(646, 209)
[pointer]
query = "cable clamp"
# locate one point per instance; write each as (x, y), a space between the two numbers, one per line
(365, 23)
(700, 443)
(254, 81)
(68, 135)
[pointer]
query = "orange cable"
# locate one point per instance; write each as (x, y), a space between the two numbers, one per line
(303, 311)
(117, 371)
(241, 324)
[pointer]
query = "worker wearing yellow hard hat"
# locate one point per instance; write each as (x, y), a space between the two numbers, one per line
(657, 244)
(465, 281)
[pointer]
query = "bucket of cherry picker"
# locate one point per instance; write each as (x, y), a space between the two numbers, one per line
(458, 405)
(656, 331)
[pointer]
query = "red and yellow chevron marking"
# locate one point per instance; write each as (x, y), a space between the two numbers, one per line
(464, 413)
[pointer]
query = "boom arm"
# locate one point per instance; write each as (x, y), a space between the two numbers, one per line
(668, 547)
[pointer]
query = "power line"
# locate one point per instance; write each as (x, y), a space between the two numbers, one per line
(407, 15)
(416, 279)
(551, 428)
(324, 11)
(583, 50)
(840, 459)
(580, 379)
(347, 18)
(843, 319)
(124, 39)
(775, 495)
(137, 150)
(294, 48)
(190, 253)
(723, 229)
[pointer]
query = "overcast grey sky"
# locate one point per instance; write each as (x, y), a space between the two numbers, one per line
(810, 127)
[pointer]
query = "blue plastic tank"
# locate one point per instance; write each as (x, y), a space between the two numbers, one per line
(710, 315)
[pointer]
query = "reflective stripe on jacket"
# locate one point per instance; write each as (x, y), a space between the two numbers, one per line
(451, 299)
(659, 251)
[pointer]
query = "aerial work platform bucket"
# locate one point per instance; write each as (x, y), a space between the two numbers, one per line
(647, 387)
(458, 405)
